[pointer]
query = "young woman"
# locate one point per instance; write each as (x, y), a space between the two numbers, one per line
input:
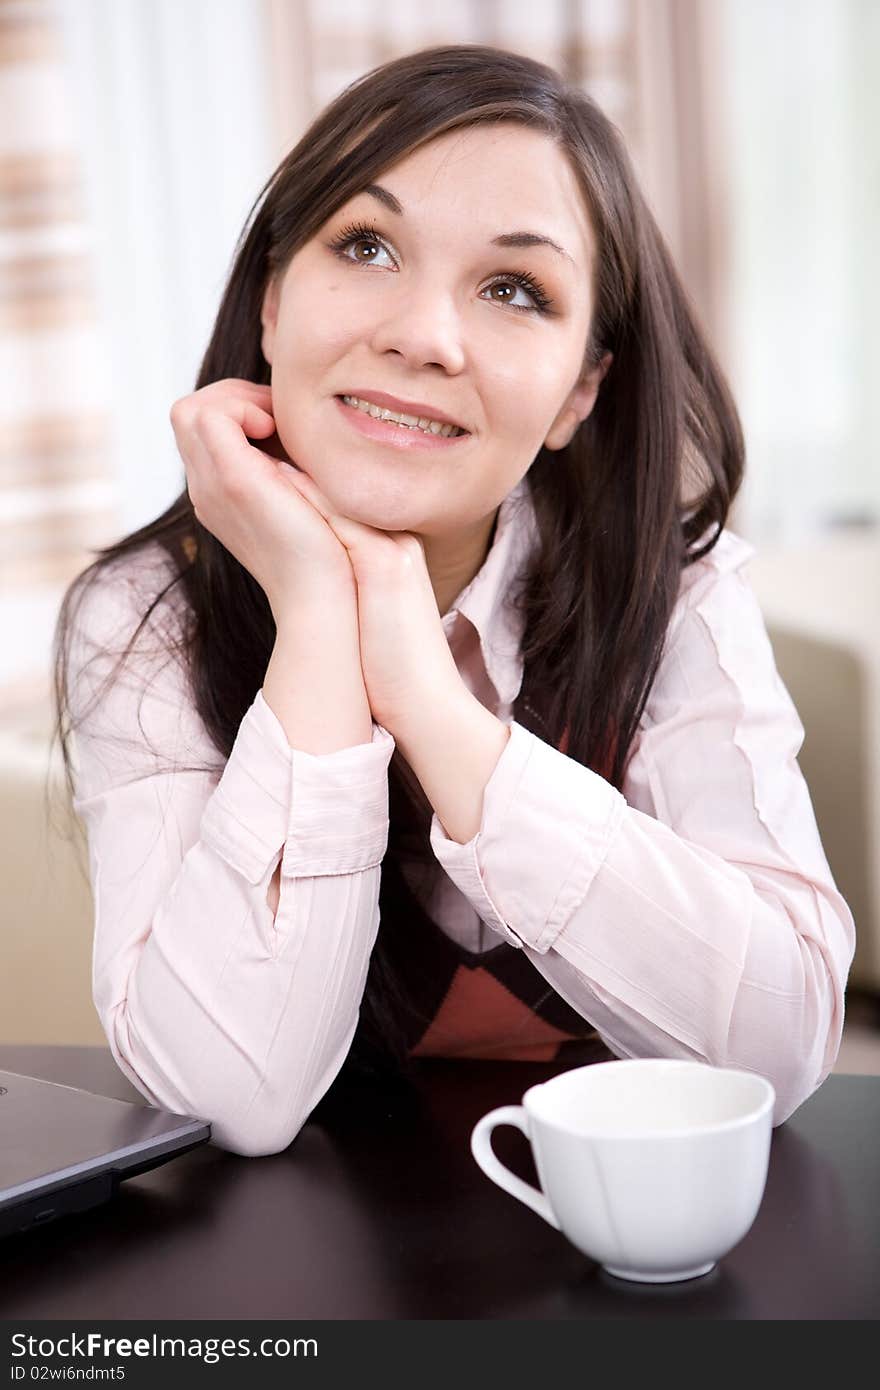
(436, 715)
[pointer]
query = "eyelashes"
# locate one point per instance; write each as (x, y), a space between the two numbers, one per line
(363, 231)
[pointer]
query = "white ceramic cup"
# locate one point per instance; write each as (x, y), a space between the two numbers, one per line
(655, 1168)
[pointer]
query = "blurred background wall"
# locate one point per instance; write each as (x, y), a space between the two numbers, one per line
(135, 136)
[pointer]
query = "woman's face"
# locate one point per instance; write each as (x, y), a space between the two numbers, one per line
(428, 301)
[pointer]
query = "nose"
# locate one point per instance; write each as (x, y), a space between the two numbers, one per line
(423, 327)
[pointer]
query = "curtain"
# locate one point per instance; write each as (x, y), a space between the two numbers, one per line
(56, 496)
(134, 135)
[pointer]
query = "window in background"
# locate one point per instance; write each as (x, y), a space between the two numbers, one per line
(804, 294)
(136, 137)
(57, 493)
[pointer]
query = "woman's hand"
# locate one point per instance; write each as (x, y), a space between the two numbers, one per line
(405, 657)
(245, 495)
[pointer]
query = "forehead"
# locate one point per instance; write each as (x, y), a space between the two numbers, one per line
(495, 179)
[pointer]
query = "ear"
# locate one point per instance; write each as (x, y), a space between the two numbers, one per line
(578, 406)
(269, 318)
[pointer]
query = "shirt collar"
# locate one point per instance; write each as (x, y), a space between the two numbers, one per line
(485, 601)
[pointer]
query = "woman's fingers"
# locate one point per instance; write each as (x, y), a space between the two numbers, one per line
(307, 488)
(235, 488)
(256, 422)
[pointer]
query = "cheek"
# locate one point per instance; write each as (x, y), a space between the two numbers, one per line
(313, 328)
(527, 390)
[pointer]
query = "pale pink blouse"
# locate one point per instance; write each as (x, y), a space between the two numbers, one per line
(692, 916)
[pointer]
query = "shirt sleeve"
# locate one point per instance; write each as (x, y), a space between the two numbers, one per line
(211, 1006)
(694, 915)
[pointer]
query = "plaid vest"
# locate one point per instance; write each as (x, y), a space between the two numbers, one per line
(450, 1002)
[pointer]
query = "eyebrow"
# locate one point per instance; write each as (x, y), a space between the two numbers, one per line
(388, 200)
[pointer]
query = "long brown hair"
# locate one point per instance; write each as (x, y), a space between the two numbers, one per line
(642, 490)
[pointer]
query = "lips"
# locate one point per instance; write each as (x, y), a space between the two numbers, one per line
(418, 408)
(412, 442)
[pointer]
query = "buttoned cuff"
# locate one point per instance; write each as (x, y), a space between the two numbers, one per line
(326, 813)
(546, 828)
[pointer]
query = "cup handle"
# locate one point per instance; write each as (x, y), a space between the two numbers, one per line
(481, 1148)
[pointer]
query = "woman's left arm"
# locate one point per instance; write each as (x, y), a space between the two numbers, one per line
(695, 916)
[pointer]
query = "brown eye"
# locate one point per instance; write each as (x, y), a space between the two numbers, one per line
(357, 234)
(502, 286)
(521, 280)
(363, 241)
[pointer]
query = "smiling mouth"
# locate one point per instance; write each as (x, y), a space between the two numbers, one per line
(420, 424)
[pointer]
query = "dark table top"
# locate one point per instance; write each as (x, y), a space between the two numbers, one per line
(379, 1211)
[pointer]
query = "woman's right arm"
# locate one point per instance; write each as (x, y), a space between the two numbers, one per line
(212, 1004)
(234, 918)
(314, 685)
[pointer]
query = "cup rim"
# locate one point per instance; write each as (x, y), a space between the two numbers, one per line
(694, 1131)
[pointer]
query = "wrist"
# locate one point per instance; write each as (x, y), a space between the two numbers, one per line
(326, 599)
(431, 715)
(453, 752)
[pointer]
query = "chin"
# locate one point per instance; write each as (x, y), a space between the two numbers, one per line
(385, 508)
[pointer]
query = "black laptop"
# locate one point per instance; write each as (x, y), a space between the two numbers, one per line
(64, 1150)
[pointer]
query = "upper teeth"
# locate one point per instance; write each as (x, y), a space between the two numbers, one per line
(412, 421)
